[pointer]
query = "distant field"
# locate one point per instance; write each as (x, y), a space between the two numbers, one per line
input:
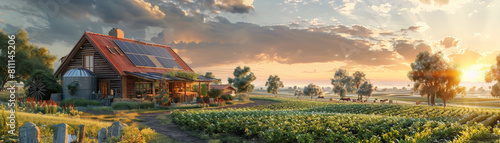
(473, 99)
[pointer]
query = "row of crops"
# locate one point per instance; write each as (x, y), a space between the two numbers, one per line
(294, 121)
(465, 115)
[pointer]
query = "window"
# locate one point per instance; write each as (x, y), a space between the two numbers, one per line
(88, 62)
(110, 50)
(143, 88)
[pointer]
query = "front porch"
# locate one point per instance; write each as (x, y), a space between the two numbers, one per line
(179, 89)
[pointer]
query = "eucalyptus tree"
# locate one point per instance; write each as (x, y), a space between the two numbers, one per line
(341, 82)
(242, 79)
(433, 76)
(494, 75)
(366, 89)
(273, 84)
(313, 90)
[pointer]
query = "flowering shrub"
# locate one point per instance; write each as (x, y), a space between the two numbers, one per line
(31, 105)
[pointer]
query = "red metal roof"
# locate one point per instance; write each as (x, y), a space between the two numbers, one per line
(120, 62)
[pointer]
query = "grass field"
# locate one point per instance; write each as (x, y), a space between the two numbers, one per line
(480, 99)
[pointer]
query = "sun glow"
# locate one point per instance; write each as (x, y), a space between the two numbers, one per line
(472, 74)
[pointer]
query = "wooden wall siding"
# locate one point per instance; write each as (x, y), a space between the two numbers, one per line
(102, 69)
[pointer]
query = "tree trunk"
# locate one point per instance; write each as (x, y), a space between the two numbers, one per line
(428, 100)
(4, 81)
(444, 102)
(432, 100)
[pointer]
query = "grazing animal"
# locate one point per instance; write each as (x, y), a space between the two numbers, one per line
(322, 97)
(345, 99)
(384, 100)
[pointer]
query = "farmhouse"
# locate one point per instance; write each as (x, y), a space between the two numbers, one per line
(226, 89)
(128, 67)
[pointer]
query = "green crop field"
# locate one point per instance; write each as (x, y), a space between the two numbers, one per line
(309, 121)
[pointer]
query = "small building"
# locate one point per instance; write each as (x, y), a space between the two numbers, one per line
(129, 67)
(226, 89)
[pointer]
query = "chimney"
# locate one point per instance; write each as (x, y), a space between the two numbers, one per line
(116, 32)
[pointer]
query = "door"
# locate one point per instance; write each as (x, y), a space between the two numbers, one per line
(104, 88)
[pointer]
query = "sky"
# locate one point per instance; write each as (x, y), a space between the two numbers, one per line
(301, 41)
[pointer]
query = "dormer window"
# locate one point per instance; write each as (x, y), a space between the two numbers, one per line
(88, 62)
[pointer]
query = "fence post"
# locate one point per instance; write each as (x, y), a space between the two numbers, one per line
(60, 133)
(81, 137)
(29, 133)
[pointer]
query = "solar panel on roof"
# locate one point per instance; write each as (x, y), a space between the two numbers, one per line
(147, 56)
(168, 63)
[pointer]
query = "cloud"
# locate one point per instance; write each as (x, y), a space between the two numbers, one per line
(472, 13)
(346, 8)
(354, 30)
(235, 6)
(435, 2)
(490, 5)
(382, 10)
(465, 57)
(314, 71)
(449, 6)
(449, 42)
(207, 41)
(418, 27)
(409, 49)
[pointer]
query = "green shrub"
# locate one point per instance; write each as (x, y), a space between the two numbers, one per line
(125, 105)
(73, 87)
(185, 107)
(46, 77)
(243, 96)
(215, 93)
(229, 102)
(100, 108)
(206, 99)
(213, 105)
(81, 102)
(226, 97)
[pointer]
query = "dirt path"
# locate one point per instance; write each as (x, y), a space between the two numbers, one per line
(171, 130)
(174, 132)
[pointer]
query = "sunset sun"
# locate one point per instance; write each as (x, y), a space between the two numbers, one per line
(472, 74)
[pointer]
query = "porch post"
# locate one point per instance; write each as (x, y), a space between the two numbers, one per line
(199, 89)
(185, 91)
(124, 87)
(154, 92)
(208, 85)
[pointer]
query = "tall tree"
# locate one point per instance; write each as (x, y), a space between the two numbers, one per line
(211, 75)
(273, 84)
(242, 79)
(341, 82)
(313, 90)
(358, 78)
(28, 57)
(298, 92)
(462, 90)
(366, 89)
(434, 77)
(494, 75)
